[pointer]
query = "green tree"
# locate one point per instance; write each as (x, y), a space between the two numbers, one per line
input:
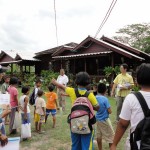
(135, 35)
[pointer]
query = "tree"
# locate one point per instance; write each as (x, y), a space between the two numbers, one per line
(135, 35)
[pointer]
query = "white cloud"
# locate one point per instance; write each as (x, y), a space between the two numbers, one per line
(29, 24)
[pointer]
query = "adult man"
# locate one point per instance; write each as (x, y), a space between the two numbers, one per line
(62, 79)
(131, 112)
(124, 83)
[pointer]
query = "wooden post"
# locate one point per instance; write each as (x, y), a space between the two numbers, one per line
(85, 64)
(11, 69)
(112, 60)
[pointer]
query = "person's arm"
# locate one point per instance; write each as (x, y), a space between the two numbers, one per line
(113, 89)
(6, 111)
(25, 107)
(121, 128)
(58, 84)
(3, 91)
(96, 108)
(109, 110)
(44, 111)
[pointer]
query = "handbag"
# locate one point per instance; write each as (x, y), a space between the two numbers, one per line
(25, 130)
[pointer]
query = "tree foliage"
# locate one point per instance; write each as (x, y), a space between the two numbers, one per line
(135, 35)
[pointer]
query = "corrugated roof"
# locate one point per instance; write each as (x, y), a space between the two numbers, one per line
(11, 53)
(26, 56)
(81, 55)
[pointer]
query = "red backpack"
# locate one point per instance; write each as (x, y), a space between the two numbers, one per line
(82, 115)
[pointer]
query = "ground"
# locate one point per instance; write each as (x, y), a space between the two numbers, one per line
(59, 138)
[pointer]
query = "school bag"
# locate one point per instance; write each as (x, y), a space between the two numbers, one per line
(82, 115)
(140, 138)
(32, 98)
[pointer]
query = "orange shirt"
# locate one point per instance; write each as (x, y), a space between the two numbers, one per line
(51, 100)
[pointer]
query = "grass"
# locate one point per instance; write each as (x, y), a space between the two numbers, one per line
(59, 138)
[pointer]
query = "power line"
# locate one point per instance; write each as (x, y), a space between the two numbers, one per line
(56, 23)
(106, 17)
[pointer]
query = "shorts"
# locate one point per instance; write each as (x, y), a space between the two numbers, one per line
(51, 111)
(105, 131)
(28, 120)
(39, 118)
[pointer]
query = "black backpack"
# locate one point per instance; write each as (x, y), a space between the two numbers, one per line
(142, 131)
(32, 98)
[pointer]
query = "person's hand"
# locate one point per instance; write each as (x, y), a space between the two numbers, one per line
(4, 140)
(58, 108)
(53, 81)
(112, 147)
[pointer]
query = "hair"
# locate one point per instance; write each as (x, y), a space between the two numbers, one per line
(6, 77)
(40, 93)
(101, 88)
(13, 81)
(125, 66)
(142, 74)
(25, 89)
(51, 87)
(38, 81)
(82, 79)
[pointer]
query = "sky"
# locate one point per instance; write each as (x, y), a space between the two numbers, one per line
(29, 25)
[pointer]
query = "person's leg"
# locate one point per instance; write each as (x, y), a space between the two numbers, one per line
(76, 141)
(54, 121)
(36, 120)
(87, 141)
(119, 106)
(12, 119)
(99, 143)
(40, 125)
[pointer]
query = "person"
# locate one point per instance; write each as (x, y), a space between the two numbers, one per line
(104, 128)
(5, 85)
(51, 104)
(62, 79)
(38, 84)
(3, 114)
(131, 112)
(39, 116)
(24, 105)
(12, 90)
(80, 141)
(94, 88)
(124, 83)
(4, 90)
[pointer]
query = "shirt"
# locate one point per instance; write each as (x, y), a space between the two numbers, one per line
(102, 114)
(22, 103)
(131, 109)
(62, 79)
(40, 102)
(70, 91)
(123, 80)
(4, 88)
(13, 92)
(51, 100)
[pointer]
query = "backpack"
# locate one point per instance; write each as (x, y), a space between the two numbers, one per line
(82, 115)
(32, 98)
(142, 131)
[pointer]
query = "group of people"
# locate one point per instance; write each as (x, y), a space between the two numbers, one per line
(129, 110)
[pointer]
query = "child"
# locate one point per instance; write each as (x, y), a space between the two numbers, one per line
(51, 104)
(104, 127)
(12, 90)
(5, 85)
(39, 116)
(24, 105)
(80, 141)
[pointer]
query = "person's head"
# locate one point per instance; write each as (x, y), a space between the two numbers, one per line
(6, 79)
(13, 81)
(143, 75)
(40, 93)
(51, 87)
(101, 88)
(62, 72)
(25, 90)
(123, 68)
(82, 79)
(95, 87)
(38, 83)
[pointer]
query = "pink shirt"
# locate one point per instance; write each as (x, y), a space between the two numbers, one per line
(13, 92)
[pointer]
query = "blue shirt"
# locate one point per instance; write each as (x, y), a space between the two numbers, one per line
(102, 114)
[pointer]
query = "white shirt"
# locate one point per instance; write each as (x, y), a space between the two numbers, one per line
(22, 102)
(62, 79)
(132, 110)
(40, 102)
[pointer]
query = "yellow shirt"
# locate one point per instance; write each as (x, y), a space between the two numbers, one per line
(122, 80)
(70, 91)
